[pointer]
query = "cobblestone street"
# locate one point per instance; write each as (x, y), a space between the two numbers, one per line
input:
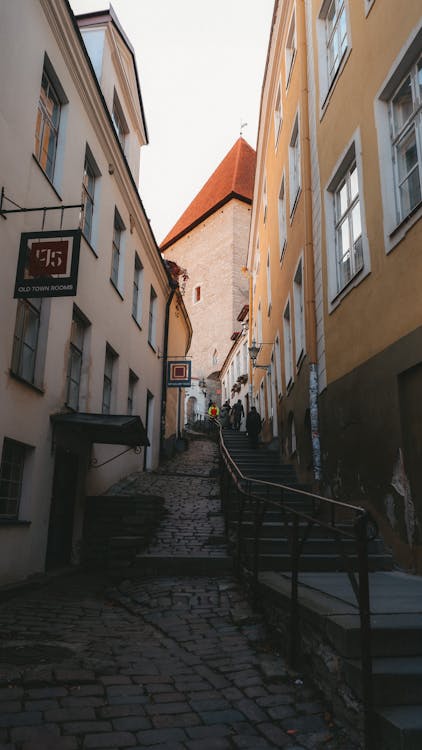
(165, 663)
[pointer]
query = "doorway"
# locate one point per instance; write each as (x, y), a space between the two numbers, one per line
(148, 429)
(60, 529)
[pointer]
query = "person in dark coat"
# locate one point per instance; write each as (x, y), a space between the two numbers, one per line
(253, 427)
(237, 412)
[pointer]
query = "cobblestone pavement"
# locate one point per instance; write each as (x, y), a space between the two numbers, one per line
(160, 664)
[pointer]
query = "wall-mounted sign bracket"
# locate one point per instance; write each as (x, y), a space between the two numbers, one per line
(20, 209)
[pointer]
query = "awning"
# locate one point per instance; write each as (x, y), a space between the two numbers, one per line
(113, 429)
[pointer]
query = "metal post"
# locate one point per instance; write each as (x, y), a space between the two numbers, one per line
(294, 593)
(365, 632)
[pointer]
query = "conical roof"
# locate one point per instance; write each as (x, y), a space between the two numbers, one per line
(233, 178)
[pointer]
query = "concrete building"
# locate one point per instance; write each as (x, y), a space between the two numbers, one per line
(81, 376)
(209, 241)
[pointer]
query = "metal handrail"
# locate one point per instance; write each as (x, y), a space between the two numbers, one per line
(364, 529)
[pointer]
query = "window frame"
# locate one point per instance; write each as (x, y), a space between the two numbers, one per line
(12, 481)
(395, 228)
(282, 217)
(26, 308)
(351, 155)
(119, 120)
(110, 360)
(137, 296)
(132, 383)
(46, 120)
(327, 82)
(295, 167)
(76, 352)
(290, 49)
(152, 317)
(288, 345)
(117, 249)
(278, 114)
(299, 312)
(268, 275)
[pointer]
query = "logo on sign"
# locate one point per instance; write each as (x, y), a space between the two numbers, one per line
(48, 258)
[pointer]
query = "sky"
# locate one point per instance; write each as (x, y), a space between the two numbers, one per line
(201, 67)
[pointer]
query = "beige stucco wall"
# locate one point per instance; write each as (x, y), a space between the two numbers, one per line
(379, 310)
(25, 412)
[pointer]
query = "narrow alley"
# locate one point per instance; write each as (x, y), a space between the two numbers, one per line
(166, 661)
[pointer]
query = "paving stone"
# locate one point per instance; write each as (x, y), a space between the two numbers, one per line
(156, 736)
(209, 743)
(23, 718)
(109, 740)
(225, 717)
(131, 723)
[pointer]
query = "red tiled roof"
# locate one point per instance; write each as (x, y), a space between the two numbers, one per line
(233, 178)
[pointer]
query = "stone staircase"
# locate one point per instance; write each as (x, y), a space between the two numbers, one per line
(321, 551)
(118, 527)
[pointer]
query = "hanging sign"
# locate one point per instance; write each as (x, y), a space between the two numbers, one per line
(48, 264)
(179, 374)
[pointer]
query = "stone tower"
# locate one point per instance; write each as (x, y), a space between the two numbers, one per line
(210, 241)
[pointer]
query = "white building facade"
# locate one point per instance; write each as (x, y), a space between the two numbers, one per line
(71, 133)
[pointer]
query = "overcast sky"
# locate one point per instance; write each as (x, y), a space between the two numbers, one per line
(200, 66)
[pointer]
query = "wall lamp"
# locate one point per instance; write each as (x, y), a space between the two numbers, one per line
(254, 350)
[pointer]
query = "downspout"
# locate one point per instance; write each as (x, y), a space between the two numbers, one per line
(173, 285)
(310, 266)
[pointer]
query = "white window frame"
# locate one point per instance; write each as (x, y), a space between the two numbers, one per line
(282, 218)
(30, 335)
(288, 345)
(268, 273)
(117, 252)
(259, 322)
(131, 387)
(119, 120)
(90, 177)
(327, 78)
(152, 317)
(13, 462)
(137, 295)
(76, 359)
(295, 176)
(368, 6)
(336, 291)
(291, 47)
(110, 360)
(264, 202)
(299, 312)
(278, 365)
(395, 226)
(278, 114)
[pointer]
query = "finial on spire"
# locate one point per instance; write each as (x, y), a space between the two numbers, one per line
(242, 125)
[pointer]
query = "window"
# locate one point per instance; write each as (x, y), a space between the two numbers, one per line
(215, 358)
(264, 202)
(133, 379)
(336, 36)
(398, 119)
(74, 365)
(137, 290)
(119, 121)
(294, 165)
(290, 48)
(269, 281)
(278, 365)
(282, 226)
(256, 266)
(259, 321)
(47, 125)
(11, 473)
(278, 114)
(25, 341)
(118, 228)
(91, 173)
(406, 133)
(110, 359)
(348, 227)
(298, 301)
(197, 294)
(152, 323)
(287, 329)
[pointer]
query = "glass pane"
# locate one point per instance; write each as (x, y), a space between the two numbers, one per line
(419, 78)
(88, 212)
(407, 156)
(27, 365)
(342, 200)
(344, 239)
(402, 104)
(410, 192)
(356, 222)
(73, 395)
(358, 255)
(354, 187)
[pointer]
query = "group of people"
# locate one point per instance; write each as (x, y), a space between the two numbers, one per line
(231, 419)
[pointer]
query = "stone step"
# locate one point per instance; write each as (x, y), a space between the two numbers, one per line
(397, 681)
(321, 562)
(391, 634)
(400, 727)
(182, 565)
(313, 545)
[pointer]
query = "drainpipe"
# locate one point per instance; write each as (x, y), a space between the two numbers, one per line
(174, 286)
(310, 267)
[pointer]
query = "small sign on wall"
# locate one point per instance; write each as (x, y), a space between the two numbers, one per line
(178, 374)
(48, 264)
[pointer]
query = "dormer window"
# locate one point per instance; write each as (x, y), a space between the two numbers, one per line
(119, 121)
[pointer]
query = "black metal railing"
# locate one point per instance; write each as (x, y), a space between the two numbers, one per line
(239, 491)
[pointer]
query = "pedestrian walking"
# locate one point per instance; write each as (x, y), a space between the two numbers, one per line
(238, 412)
(253, 427)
